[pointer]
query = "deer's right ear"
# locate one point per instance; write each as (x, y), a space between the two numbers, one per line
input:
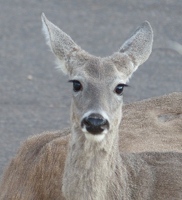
(60, 43)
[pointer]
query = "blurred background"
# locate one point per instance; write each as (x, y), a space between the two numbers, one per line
(35, 97)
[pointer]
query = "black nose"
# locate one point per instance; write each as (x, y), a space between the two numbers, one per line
(95, 123)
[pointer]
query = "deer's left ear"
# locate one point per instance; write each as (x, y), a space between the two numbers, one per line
(137, 48)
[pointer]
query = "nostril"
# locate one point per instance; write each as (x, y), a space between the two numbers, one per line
(94, 120)
(87, 121)
(95, 123)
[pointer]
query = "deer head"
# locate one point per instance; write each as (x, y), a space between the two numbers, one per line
(98, 83)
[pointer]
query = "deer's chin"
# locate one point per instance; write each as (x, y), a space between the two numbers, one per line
(95, 138)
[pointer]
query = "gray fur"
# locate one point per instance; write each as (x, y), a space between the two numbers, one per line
(94, 169)
(90, 170)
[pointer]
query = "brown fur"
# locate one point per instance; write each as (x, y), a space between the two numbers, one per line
(97, 166)
(36, 171)
(153, 125)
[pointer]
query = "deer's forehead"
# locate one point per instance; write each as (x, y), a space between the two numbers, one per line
(99, 70)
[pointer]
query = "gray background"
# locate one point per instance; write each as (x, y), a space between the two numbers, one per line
(35, 97)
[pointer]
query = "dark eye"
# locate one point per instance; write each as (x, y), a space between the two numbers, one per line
(119, 89)
(77, 86)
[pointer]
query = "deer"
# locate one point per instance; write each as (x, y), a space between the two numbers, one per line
(91, 166)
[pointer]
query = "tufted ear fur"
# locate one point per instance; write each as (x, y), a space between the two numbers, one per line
(60, 43)
(136, 49)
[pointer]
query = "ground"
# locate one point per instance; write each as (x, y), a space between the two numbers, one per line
(35, 97)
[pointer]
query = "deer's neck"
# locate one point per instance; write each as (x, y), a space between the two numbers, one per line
(91, 168)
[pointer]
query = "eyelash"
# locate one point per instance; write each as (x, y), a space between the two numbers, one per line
(77, 86)
(119, 89)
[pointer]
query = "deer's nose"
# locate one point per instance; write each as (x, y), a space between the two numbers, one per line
(95, 123)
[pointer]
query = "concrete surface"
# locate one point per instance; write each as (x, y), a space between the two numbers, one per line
(34, 97)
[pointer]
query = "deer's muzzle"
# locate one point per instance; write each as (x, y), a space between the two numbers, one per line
(95, 123)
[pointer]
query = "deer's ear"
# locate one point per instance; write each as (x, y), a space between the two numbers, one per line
(60, 43)
(137, 48)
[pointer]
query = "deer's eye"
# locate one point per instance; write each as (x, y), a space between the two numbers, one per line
(77, 86)
(119, 89)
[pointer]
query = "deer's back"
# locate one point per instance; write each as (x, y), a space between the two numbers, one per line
(153, 124)
(154, 175)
